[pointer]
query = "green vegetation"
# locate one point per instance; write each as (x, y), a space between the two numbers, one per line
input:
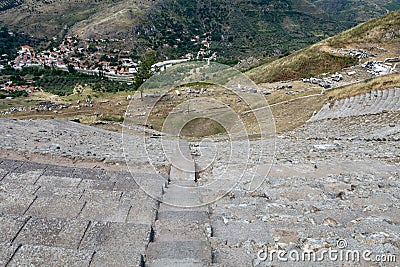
(7, 4)
(236, 28)
(113, 118)
(10, 42)
(371, 31)
(355, 11)
(202, 127)
(13, 94)
(229, 62)
(61, 82)
(145, 70)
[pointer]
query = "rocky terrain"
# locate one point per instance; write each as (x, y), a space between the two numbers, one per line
(334, 181)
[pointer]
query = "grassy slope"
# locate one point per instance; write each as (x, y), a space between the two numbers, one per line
(317, 58)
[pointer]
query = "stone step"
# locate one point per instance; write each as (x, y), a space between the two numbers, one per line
(117, 237)
(75, 234)
(197, 216)
(7, 250)
(233, 257)
(117, 259)
(10, 165)
(179, 253)
(177, 263)
(134, 206)
(65, 177)
(173, 231)
(183, 166)
(15, 203)
(397, 92)
(28, 255)
(233, 233)
(370, 103)
(182, 196)
(52, 232)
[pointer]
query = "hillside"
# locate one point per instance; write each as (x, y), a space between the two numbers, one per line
(381, 34)
(354, 10)
(235, 29)
(52, 20)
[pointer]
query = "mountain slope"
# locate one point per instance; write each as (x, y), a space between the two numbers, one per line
(383, 32)
(356, 11)
(239, 27)
(49, 18)
(236, 29)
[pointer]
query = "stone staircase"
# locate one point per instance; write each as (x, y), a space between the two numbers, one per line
(364, 104)
(64, 216)
(182, 229)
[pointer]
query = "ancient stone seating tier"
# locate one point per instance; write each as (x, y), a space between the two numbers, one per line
(370, 103)
(63, 216)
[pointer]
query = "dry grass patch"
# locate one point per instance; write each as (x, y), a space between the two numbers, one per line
(379, 83)
(318, 58)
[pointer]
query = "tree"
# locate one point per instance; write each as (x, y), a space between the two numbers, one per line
(145, 69)
(71, 69)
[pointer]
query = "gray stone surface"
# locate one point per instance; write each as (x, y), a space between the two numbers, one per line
(53, 216)
(56, 207)
(116, 259)
(169, 231)
(181, 235)
(50, 256)
(10, 165)
(371, 103)
(17, 188)
(234, 233)
(54, 170)
(233, 257)
(116, 237)
(52, 232)
(184, 215)
(26, 178)
(6, 252)
(74, 141)
(143, 209)
(110, 212)
(190, 251)
(11, 203)
(97, 184)
(58, 181)
(10, 226)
